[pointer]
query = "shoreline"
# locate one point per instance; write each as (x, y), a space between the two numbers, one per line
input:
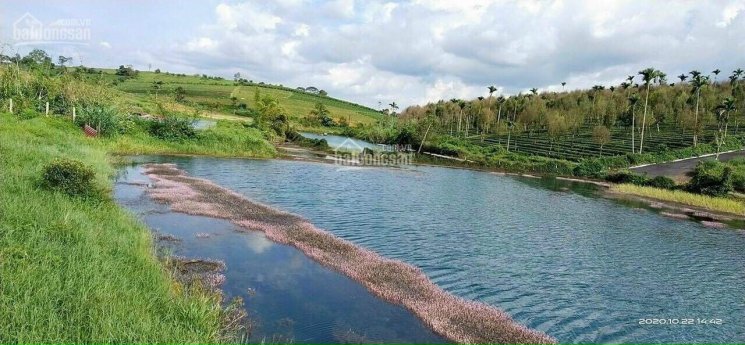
(452, 317)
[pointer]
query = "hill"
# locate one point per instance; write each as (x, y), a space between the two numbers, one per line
(228, 98)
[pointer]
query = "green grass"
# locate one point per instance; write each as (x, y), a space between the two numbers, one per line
(215, 95)
(685, 198)
(227, 139)
(82, 270)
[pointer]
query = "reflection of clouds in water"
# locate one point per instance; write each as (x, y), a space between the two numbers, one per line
(258, 243)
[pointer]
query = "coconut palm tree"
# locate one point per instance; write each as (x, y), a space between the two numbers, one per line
(649, 76)
(716, 74)
(698, 82)
(563, 83)
(534, 91)
(682, 77)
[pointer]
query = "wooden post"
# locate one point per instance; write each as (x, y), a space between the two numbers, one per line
(11, 106)
(47, 111)
(73, 114)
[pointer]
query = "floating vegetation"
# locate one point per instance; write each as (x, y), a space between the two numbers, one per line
(455, 318)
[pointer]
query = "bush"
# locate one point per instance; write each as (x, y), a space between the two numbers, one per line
(626, 177)
(711, 178)
(661, 182)
(105, 120)
(589, 168)
(27, 114)
(69, 176)
(172, 128)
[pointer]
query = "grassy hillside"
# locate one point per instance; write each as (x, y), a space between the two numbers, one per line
(82, 270)
(214, 95)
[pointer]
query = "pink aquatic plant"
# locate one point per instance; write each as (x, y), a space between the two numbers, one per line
(455, 318)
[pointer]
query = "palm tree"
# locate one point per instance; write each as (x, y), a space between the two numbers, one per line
(492, 89)
(633, 100)
(393, 106)
(630, 78)
(500, 101)
(563, 83)
(649, 76)
(716, 74)
(698, 81)
(534, 91)
(722, 111)
(682, 77)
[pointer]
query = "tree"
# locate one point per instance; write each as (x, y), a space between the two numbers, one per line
(722, 112)
(633, 100)
(237, 76)
(180, 94)
(601, 136)
(63, 60)
(682, 77)
(716, 74)
(394, 107)
(698, 82)
(322, 114)
(563, 83)
(157, 86)
(492, 89)
(323, 93)
(649, 76)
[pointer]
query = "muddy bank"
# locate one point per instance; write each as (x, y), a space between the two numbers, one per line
(455, 318)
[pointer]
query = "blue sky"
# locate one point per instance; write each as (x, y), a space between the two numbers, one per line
(404, 51)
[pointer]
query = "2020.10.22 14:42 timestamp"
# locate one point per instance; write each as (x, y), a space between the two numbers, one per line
(680, 321)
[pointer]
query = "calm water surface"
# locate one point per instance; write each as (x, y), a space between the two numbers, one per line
(289, 297)
(343, 143)
(556, 257)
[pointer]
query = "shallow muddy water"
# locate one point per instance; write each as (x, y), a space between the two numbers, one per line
(553, 254)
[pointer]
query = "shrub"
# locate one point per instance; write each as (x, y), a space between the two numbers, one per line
(661, 182)
(172, 128)
(27, 114)
(589, 168)
(626, 177)
(69, 176)
(104, 119)
(711, 178)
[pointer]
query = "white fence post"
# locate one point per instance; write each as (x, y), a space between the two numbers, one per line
(73, 114)
(47, 109)
(11, 106)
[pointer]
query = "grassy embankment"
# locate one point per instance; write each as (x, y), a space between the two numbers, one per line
(82, 269)
(717, 204)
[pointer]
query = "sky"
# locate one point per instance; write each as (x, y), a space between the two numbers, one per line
(375, 52)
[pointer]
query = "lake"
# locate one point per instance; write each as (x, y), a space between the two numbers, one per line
(343, 143)
(556, 256)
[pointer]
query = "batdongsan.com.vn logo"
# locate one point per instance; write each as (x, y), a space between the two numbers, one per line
(351, 153)
(29, 30)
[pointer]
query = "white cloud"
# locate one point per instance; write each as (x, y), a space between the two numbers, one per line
(105, 44)
(415, 51)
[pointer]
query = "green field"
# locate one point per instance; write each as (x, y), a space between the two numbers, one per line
(214, 95)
